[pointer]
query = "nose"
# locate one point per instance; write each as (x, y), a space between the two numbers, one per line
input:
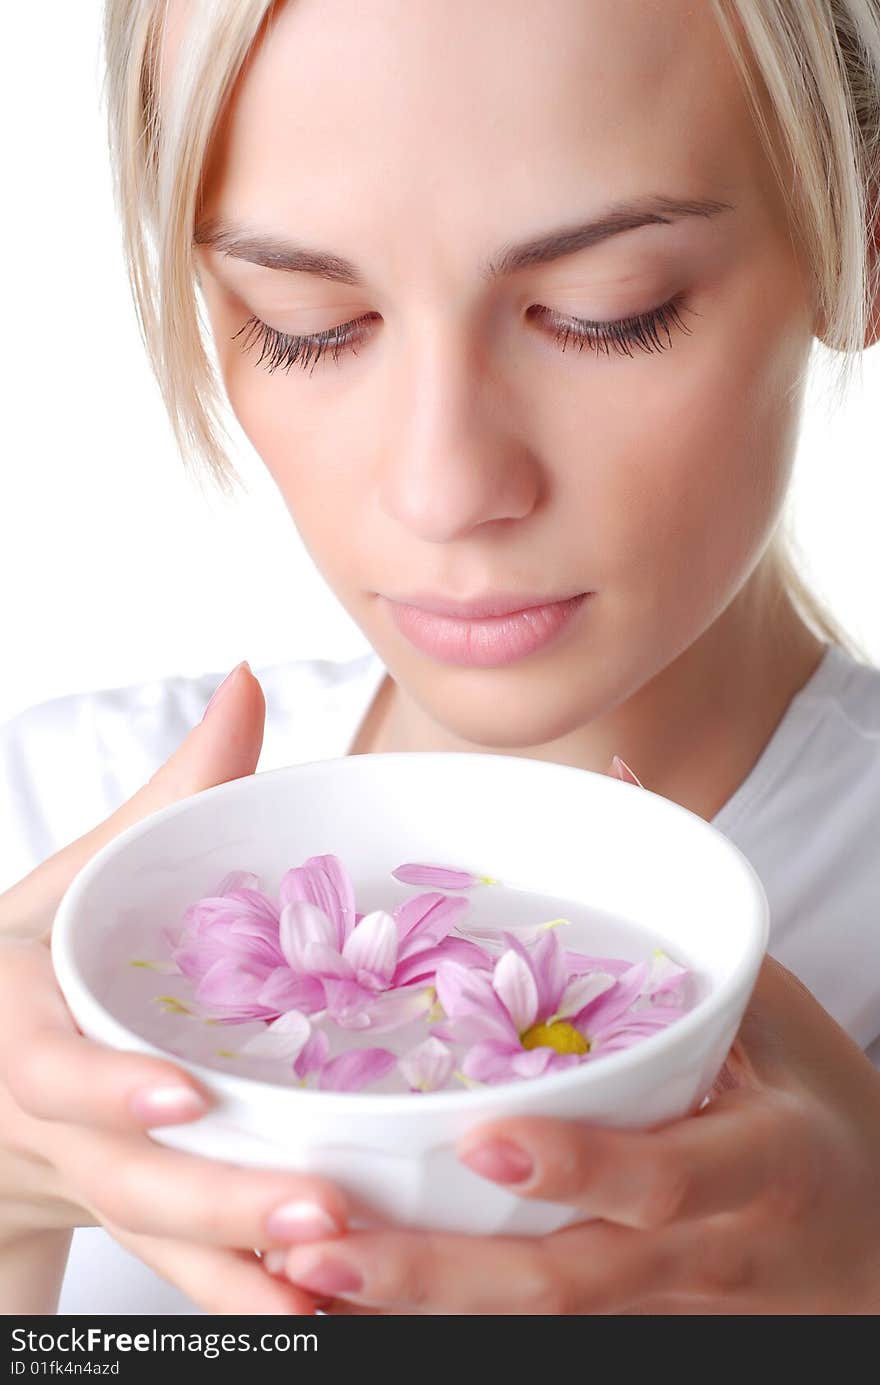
(456, 458)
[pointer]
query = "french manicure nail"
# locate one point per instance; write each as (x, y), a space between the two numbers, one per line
(622, 771)
(329, 1277)
(499, 1160)
(219, 691)
(167, 1105)
(301, 1221)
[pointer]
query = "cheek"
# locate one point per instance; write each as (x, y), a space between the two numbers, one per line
(309, 462)
(282, 412)
(684, 474)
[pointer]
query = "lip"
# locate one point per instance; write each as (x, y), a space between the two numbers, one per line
(485, 641)
(494, 604)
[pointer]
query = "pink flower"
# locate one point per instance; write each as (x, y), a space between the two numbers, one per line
(517, 1018)
(535, 1014)
(359, 960)
(249, 958)
(229, 949)
(640, 1003)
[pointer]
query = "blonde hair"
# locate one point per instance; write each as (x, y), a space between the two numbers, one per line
(816, 62)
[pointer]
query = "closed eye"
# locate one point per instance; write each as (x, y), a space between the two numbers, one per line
(644, 331)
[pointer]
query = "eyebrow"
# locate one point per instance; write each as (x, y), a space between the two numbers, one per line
(258, 248)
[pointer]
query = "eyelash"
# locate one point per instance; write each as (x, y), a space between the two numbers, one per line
(642, 330)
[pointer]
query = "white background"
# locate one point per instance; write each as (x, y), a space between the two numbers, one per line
(113, 567)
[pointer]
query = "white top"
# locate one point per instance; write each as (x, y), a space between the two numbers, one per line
(807, 816)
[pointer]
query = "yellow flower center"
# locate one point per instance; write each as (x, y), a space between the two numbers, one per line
(559, 1035)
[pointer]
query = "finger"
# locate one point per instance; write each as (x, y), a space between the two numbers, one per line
(727, 1154)
(62, 1076)
(788, 1039)
(588, 1268)
(218, 1280)
(148, 1189)
(54, 1073)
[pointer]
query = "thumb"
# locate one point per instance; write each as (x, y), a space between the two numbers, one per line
(224, 745)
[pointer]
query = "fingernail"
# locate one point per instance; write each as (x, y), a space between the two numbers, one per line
(328, 1277)
(621, 770)
(499, 1160)
(301, 1221)
(167, 1105)
(274, 1260)
(224, 685)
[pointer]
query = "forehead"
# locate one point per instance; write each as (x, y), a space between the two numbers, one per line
(418, 109)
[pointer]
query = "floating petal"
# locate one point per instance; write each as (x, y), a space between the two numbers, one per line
(427, 1066)
(313, 1054)
(349, 1072)
(283, 1038)
(439, 877)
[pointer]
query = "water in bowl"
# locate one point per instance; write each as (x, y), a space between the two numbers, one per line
(160, 1005)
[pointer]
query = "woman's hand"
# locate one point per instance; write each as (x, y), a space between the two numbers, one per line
(73, 1114)
(765, 1201)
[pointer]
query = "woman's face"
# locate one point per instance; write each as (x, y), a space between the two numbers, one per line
(454, 447)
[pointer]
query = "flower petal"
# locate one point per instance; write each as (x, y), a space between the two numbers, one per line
(440, 877)
(576, 962)
(301, 923)
(548, 965)
(422, 965)
(229, 987)
(664, 975)
(313, 1055)
(514, 983)
(324, 882)
(351, 1071)
(427, 1066)
(491, 1061)
(325, 961)
(426, 919)
(372, 945)
(607, 1008)
(531, 1062)
(237, 880)
(284, 989)
(347, 1002)
(392, 1009)
(580, 990)
(527, 933)
(353, 1007)
(283, 1038)
(469, 999)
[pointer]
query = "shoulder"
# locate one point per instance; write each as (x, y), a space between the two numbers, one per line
(66, 763)
(812, 836)
(851, 690)
(842, 755)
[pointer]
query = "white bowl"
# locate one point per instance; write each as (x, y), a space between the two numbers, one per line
(533, 825)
